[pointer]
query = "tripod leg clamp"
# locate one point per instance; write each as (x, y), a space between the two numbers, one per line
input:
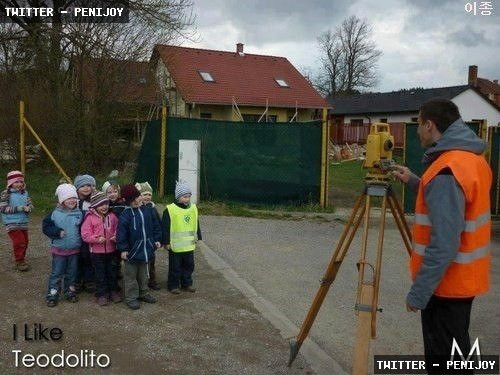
(365, 308)
(326, 281)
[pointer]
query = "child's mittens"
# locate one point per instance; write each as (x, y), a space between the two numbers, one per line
(124, 255)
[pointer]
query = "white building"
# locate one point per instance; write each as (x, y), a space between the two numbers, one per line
(403, 106)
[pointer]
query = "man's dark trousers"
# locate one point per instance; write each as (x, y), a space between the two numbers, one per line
(443, 320)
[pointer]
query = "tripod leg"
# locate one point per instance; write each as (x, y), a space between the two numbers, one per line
(398, 208)
(401, 223)
(362, 343)
(363, 301)
(330, 274)
(364, 245)
(378, 266)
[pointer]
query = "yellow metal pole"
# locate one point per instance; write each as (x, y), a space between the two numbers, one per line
(322, 196)
(22, 150)
(163, 149)
(327, 177)
(39, 140)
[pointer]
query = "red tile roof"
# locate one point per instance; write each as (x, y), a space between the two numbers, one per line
(248, 78)
(488, 87)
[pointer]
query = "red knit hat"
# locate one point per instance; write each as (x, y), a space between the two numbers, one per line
(13, 177)
(129, 193)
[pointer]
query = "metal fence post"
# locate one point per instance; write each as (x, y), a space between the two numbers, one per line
(22, 149)
(163, 148)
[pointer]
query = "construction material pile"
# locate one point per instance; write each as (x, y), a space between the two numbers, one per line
(341, 153)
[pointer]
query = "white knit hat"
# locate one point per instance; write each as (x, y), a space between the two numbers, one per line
(66, 191)
(105, 187)
(182, 188)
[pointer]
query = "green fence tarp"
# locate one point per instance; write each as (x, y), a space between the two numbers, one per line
(413, 159)
(249, 162)
(495, 165)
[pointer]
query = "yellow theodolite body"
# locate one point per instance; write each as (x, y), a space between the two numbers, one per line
(378, 155)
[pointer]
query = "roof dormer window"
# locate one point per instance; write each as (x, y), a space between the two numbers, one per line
(281, 82)
(206, 76)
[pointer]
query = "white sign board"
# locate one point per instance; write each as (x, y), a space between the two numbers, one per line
(189, 165)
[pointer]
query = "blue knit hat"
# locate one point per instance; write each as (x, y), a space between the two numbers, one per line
(182, 188)
(82, 180)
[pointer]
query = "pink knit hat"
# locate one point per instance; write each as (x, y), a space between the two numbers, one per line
(14, 176)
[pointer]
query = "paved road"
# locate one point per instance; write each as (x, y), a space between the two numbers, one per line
(284, 261)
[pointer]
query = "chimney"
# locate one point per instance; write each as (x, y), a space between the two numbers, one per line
(473, 75)
(239, 48)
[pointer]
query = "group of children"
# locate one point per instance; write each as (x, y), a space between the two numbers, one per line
(91, 232)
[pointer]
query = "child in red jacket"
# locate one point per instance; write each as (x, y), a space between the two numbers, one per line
(99, 231)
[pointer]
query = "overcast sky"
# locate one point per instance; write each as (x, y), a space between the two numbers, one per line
(428, 43)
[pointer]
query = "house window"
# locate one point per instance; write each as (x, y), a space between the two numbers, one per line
(206, 115)
(383, 120)
(281, 82)
(207, 77)
(414, 119)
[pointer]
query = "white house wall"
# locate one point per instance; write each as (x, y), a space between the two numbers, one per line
(405, 117)
(473, 106)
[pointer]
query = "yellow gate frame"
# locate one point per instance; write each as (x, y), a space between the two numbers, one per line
(325, 140)
(22, 150)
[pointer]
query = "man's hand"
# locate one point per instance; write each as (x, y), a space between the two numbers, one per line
(124, 255)
(157, 244)
(411, 308)
(101, 239)
(62, 234)
(27, 209)
(113, 238)
(402, 173)
(168, 247)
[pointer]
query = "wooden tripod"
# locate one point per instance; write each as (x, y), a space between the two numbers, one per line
(368, 288)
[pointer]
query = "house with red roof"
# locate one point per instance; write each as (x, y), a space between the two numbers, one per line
(236, 86)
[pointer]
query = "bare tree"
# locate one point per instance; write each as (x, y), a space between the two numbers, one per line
(38, 61)
(348, 58)
(332, 76)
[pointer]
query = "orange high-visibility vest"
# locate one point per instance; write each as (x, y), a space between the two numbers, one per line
(468, 275)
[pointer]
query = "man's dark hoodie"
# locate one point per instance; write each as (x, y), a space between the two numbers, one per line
(445, 201)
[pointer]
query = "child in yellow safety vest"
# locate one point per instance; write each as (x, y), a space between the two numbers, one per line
(180, 232)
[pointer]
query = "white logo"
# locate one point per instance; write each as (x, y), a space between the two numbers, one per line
(475, 348)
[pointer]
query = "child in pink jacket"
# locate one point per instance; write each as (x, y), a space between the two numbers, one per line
(99, 231)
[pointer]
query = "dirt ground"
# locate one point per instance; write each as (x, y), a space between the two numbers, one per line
(213, 331)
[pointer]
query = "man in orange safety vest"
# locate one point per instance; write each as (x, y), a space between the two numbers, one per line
(450, 261)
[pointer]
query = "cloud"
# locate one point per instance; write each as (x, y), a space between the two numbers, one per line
(424, 43)
(468, 37)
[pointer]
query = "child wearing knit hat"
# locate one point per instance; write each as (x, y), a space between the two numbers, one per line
(147, 200)
(99, 231)
(15, 205)
(180, 232)
(112, 191)
(117, 205)
(138, 237)
(62, 226)
(85, 186)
